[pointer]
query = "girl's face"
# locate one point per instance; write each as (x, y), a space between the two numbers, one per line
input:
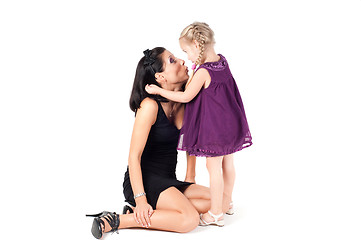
(190, 48)
(174, 69)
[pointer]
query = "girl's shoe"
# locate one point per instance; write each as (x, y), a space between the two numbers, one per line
(98, 223)
(216, 222)
(230, 210)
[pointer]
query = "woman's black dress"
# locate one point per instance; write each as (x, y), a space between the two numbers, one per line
(158, 161)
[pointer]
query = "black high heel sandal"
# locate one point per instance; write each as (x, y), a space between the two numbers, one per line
(102, 214)
(111, 218)
(127, 208)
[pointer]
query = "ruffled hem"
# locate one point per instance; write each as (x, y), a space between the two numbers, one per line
(199, 152)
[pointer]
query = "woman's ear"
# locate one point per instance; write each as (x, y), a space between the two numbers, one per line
(159, 78)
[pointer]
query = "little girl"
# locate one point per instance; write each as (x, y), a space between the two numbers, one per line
(215, 124)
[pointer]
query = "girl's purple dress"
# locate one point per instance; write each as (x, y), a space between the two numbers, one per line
(215, 123)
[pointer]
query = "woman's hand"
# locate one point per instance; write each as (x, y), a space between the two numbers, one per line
(152, 89)
(142, 212)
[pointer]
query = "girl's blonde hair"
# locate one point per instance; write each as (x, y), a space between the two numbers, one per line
(202, 33)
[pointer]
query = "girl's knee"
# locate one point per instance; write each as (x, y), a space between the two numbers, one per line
(228, 164)
(213, 163)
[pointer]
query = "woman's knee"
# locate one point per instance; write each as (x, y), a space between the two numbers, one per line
(188, 217)
(189, 221)
(196, 191)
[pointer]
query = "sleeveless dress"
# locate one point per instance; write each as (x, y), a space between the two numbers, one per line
(215, 122)
(158, 161)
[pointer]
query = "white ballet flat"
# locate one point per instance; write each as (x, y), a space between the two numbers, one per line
(216, 222)
(230, 210)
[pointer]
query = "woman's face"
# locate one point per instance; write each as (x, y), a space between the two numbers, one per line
(174, 69)
(190, 49)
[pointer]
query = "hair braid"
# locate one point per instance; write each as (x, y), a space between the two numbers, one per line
(203, 34)
(201, 41)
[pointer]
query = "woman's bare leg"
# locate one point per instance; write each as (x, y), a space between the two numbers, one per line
(200, 197)
(174, 213)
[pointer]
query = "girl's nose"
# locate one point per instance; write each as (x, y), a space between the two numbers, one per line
(181, 61)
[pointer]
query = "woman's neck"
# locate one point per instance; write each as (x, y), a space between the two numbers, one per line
(172, 87)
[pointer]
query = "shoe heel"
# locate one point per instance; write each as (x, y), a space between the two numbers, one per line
(230, 211)
(94, 215)
(127, 208)
(102, 214)
(220, 223)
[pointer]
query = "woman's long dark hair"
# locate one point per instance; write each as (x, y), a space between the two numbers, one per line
(145, 75)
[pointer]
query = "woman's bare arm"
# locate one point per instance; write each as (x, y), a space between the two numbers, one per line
(145, 118)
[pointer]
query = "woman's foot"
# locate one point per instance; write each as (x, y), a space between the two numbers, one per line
(104, 222)
(106, 226)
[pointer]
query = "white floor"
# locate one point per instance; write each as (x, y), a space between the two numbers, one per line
(273, 204)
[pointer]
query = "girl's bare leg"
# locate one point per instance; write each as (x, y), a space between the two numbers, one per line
(229, 176)
(174, 213)
(214, 166)
(191, 169)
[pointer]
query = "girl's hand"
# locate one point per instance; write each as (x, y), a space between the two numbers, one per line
(142, 213)
(152, 89)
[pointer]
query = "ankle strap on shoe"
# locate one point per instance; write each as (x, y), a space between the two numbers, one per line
(113, 220)
(216, 217)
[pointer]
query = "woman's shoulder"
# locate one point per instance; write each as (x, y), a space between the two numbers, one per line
(148, 109)
(148, 104)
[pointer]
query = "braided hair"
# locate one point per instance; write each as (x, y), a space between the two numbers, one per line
(203, 34)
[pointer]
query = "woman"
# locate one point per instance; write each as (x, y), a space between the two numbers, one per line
(161, 201)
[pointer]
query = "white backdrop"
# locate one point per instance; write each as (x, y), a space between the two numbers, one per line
(66, 71)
